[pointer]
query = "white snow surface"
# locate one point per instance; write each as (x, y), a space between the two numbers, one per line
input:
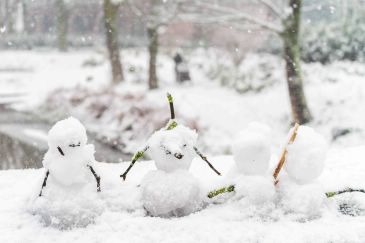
(171, 194)
(116, 214)
(180, 140)
(306, 155)
(252, 149)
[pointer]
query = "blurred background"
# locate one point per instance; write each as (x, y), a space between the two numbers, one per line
(109, 63)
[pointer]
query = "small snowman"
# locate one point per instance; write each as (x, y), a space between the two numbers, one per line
(304, 162)
(69, 160)
(171, 190)
(251, 153)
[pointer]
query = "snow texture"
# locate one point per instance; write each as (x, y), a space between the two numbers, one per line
(171, 194)
(306, 155)
(116, 214)
(252, 149)
(68, 155)
(166, 146)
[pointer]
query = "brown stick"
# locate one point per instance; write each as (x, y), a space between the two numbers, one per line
(285, 151)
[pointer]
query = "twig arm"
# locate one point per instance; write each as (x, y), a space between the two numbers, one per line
(283, 155)
(206, 160)
(331, 194)
(221, 191)
(97, 178)
(136, 157)
(44, 182)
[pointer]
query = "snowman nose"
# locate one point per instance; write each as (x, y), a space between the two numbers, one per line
(178, 155)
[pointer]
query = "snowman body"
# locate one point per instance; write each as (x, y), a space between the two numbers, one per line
(69, 156)
(171, 190)
(251, 153)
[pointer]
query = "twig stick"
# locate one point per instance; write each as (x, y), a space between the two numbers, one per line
(285, 151)
(171, 102)
(221, 191)
(331, 194)
(44, 182)
(206, 160)
(136, 157)
(97, 178)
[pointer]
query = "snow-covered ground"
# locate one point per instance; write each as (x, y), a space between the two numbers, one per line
(335, 93)
(118, 215)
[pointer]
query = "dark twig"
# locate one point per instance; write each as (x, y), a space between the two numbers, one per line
(60, 150)
(206, 160)
(221, 191)
(136, 157)
(97, 178)
(331, 194)
(171, 102)
(44, 182)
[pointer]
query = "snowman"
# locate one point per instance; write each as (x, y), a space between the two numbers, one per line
(69, 160)
(251, 154)
(171, 190)
(304, 162)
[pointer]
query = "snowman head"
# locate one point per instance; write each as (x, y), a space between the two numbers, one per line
(67, 137)
(173, 149)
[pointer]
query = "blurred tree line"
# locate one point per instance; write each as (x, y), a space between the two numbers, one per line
(304, 30)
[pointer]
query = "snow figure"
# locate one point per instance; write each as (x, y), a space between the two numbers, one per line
(251, 153)
(304, 163)
(69, 160)
(171, 190)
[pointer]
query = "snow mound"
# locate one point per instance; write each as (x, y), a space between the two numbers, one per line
(306, 156)
(304, 199)
(252, 149)
(171, 194)
(67, 208)
(256, 190)
(173, 149)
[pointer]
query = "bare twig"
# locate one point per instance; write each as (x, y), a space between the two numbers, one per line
(206, 160)
(136, 157)
(44, 182)
(331, 194)
(171, 103)
(283, 155)
(97, 178)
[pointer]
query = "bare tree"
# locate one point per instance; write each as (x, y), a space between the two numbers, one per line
(110, 23)
(284, 20)
(62, 14)
(155, 14)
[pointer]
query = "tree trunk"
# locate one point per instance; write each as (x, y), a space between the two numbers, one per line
(61, 24)
(110, 23)
(152, 49)
(290, 36)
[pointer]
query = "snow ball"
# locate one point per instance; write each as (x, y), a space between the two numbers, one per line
(173, 149)
(252, 150)
(306, 156)
(170, 194)
(67, 208)
(255, 189)
(304, 199)
(65, 133)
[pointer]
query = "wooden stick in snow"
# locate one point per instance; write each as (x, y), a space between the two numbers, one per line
(285, 151)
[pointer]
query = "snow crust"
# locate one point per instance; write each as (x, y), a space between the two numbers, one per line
(306, 156)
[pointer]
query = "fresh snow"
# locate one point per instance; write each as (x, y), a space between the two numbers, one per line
(116, 214)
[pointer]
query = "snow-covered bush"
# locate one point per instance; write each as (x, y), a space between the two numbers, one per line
(121, 119)
(326, 42)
